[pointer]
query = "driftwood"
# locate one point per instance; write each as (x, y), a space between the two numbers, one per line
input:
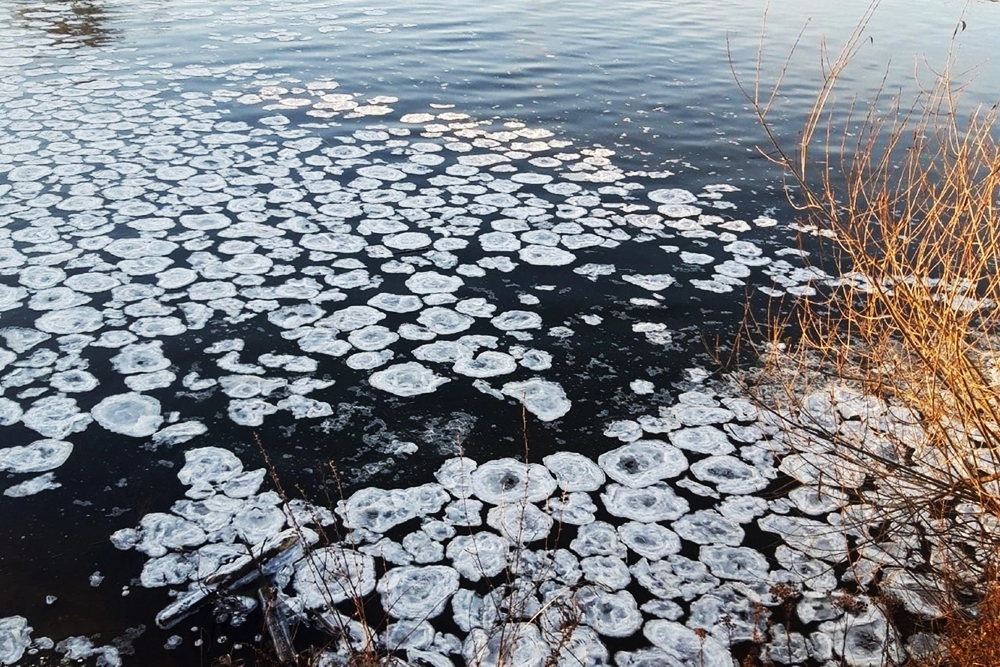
(263, 560)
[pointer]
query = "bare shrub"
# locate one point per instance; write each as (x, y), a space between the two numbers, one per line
(894, 368)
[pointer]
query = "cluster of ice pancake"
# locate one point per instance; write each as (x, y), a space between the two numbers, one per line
(16, 642)
(667, 540)
(133, 220)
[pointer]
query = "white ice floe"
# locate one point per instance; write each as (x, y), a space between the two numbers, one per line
(610, 614)
(209, 466)
(39, 456)
(32, 486)
(574, 472)
(672, 196)
(479, 555)
(417, 592)
(814, 538)
(432, 282)
(683, 646)
(407, 379)
(649, 540)
(70, 320)
(653, 283)
(56, 417)
(377, 510)
(10, 412)
(250, 411)
(598, 538)
(575, 508)
(486, 364)
(511, 482)
(648, 504)
(702, 440)
(522, 644)
(455, 475)
(333, 574)
(709, 527)
(542, 398)
(256, 521)
(15, 637)
(642, 387)
(864, 639)
(541, 255)
(520, 522)
(444, 321)
(73, 381)
(517, 320)
(609, 572)
(140, 358)
(373, 337)
(396, 303)
(729, 475)
(643, 462)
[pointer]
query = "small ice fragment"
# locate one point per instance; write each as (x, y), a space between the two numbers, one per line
(32, 486)
(642, 386)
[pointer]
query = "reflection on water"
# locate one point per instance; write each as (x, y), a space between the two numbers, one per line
(69, 22)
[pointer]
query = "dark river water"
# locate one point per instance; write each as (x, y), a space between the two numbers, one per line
(365, 233)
